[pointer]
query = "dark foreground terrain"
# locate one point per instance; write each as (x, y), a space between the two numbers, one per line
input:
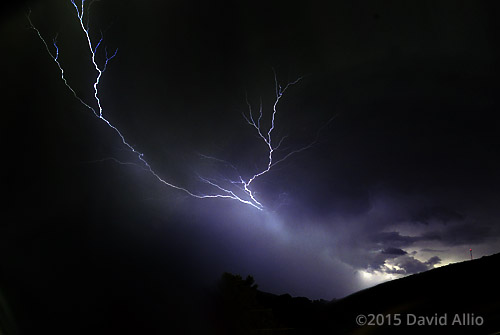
(461, 298)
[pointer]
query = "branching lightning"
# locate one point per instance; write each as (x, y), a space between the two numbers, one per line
(267, 137)
(268, 140)
(240, 189)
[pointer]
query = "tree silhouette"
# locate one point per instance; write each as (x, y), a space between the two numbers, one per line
(238, 308)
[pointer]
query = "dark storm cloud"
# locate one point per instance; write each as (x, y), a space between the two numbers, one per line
(394, 251)
(439, 214)
(409, 265)
(433, 261)
(462, 234)
(393, 238)
(380, 238)
(371, 256)
(433, 250)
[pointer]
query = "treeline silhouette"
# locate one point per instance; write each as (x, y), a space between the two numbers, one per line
(468, 290)
(243, 309)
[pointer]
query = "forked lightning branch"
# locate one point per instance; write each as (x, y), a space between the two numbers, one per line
(239, 189)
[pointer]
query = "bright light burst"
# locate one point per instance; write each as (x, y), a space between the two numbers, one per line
(239, 189)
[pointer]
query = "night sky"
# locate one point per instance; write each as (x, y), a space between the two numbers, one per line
(404, 178)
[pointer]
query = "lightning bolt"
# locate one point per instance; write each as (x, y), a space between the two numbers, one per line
(267, 137)
(240, 189)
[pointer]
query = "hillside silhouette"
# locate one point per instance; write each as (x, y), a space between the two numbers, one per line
(460, 298)
(468, 291)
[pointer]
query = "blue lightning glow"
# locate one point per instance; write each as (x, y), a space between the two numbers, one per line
(247, 197)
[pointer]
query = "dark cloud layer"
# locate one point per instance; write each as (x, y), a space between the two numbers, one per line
(394, 251)
(439, 214)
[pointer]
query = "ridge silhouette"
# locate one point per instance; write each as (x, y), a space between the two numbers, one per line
(460, 298)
